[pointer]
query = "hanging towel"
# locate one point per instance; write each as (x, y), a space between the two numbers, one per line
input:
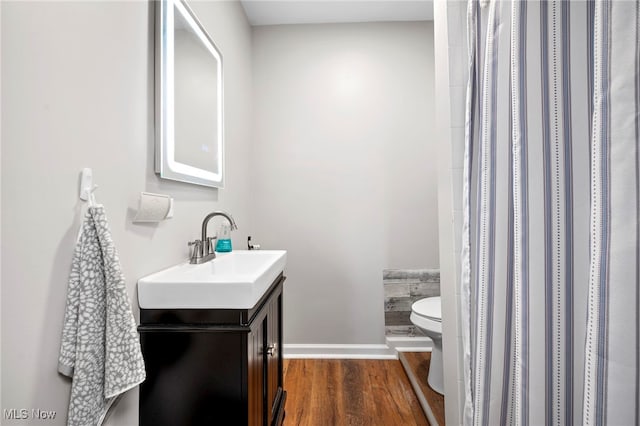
(100, 347)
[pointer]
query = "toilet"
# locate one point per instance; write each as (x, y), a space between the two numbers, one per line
(427, 315)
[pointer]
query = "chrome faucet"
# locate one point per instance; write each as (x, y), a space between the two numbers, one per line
(204, 249)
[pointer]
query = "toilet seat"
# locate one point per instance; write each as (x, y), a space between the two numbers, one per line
(429, 308)
(426, 314)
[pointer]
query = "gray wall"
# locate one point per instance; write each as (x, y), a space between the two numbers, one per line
(77, 91)
(344, 171)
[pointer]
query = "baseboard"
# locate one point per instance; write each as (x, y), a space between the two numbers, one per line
(362, 351)
(410, 344)
(336, 351)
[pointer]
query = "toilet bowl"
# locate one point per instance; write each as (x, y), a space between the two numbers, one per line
(427, 315)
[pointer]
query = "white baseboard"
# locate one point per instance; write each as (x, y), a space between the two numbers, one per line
(409, 344)
(362, 351)
(333, 351)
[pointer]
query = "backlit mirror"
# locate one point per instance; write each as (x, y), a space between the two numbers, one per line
(189, 98)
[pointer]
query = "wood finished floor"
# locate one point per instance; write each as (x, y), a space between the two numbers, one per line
(419, 364)
(324, 392)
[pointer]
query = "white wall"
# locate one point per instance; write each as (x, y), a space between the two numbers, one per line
(77, 80)
(344, 170)
(451, 80)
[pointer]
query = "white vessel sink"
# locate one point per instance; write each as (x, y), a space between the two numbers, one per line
(235, 280)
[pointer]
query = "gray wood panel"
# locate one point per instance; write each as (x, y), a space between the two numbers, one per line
(403, 330)
(397, 318)
(423, 275)
(402, 288)
(398, 304)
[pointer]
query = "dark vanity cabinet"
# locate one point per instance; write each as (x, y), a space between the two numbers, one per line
(214, 366)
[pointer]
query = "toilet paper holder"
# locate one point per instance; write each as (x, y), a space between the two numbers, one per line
(154, 208)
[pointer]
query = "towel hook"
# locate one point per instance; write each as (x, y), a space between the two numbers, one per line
(87, 187)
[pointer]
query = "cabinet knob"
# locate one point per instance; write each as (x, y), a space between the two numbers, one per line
(271, 349)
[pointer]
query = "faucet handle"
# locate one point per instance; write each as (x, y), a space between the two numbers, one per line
(209, 245)
(197, 250)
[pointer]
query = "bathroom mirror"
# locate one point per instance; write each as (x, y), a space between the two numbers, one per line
(189, 98)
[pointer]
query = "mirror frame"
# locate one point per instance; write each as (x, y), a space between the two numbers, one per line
(165, 164)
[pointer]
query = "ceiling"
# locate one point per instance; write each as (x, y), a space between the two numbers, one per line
(277, 12)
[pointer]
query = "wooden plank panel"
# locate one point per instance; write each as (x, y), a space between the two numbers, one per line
(398, 304)
(397, 318)
(349, 392)
(419, 364)
(297, 405)
(397, 289)
(424, 275)
(420, 290)
(402, 389)
(360, 407)
(382, 390)
(403, 330)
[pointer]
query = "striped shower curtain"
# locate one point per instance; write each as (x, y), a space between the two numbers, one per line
(551, 200)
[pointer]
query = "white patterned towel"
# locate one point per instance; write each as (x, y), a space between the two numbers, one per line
(100, 347)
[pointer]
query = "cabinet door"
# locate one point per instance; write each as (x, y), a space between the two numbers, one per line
(255, 373)
(274, 392)
(192, 378)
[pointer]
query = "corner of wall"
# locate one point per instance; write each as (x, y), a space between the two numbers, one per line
(0, 211)
(445, 122)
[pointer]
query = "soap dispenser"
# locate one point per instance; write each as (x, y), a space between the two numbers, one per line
(223, 242)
